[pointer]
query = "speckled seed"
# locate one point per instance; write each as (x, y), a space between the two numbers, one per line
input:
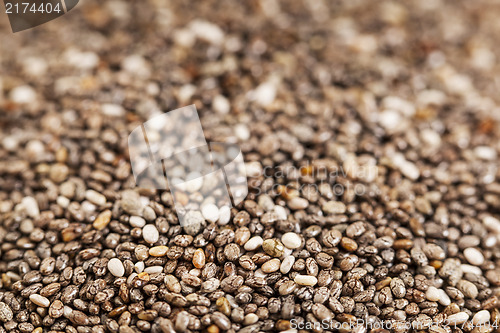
(273, 247)
(291, 240)
(150, 234)
(468, 288)
(432, 294)
(457, 318)
(305, 280)
(115, 267)
(253, 243)
(40, 300)
(481, 317)
(5, 312)
(56, 309)
(158, 251)
(287, 264)
(271, 266)
(210, 212)
(474, 256)
(199, 258)
(102, 220)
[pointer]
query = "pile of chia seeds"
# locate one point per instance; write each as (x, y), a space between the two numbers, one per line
(370, 133)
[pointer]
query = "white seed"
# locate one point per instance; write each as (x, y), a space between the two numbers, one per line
(471, 269)
(287, 264)
(481, 317)
(194, 182)
(10, 143)
(253, 243)
(457, 318)
(474, 256)
(153, 269)
(23, 95)
(280, 212)
(67, 311)
(115, 267)
(485, 153)
(265, 93)
(131, 278)
(112, 110)
(31, 207)
(444, 299)
(298, 203)
(35, 150)
(139, 266)
(95, 197)
(259, 274)
(433, 294)
(305, 280)
(334, 207)
(407, 168)
(40, 300)
(271, 266)
(242, 132)
(221, 104)
(26, 226)
(250, 319)
(150, 234)
(492, 224)
(210, 212)
(291, 240)
(63, 201)
(224, 215)
(137, 221)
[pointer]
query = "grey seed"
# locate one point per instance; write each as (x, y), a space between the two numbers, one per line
(322, 312)
(398, 287)
(131, 202)
(6, 313)
(419, 256)
(221, 320)
(434, 252)
(469, 289)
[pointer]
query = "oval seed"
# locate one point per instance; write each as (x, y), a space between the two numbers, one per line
(158, 251)
(40, 300)
(305, 280)
(253, 243)
(271, 266)
(291, 240)
(115, 267)
(199, 258)
(150, 234)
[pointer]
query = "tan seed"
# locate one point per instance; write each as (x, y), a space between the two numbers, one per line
(102, 220)
(348, 244)
(402, 244)
(223, 306)
(199, 258)
(158, 251)
(213, 329)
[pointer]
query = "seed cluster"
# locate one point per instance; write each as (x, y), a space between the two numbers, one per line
(371, 152)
